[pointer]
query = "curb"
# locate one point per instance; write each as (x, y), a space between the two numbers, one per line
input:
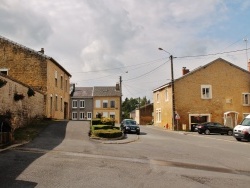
(12, 146)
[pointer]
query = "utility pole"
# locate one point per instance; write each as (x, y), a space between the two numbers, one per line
(120, 99)
(172, 86)
(246, 40)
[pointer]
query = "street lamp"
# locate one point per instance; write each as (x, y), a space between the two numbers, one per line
(172, 84)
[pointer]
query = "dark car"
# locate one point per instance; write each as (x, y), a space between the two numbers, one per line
(130, 126)
(213, 127)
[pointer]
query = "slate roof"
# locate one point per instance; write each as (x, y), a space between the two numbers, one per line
(106, 91)
(81, 92)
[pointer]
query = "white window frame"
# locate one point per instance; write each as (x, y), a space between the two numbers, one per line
(82, 104)
(158, 115)
(74, 104)
(206, 91)
(74, 115)
(4, 70)
(81, 115)
(98, 103)
(246, 99)
(89, 115)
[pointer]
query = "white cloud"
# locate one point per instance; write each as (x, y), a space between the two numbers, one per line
(116, 35)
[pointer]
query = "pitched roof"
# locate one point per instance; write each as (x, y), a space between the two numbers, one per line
(83, 92)
(198, 69)
(107, 91)
(36, 52)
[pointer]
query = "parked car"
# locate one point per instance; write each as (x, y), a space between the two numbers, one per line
(214, 127)
(130, 126)
(242, 131)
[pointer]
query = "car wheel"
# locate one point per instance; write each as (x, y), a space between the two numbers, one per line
(207, 131)
(200, 132)
(230, 133)
(238, 139)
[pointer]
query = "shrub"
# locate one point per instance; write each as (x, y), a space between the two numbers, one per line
(109, 133)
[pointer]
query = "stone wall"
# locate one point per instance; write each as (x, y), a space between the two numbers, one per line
(22, 110)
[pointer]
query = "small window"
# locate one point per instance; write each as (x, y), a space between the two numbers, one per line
(61, 104)
(66, 85)
(89, 115)
(74, 104)
(105, 103)
(74, 115)
(166, 95)
(82, 104)
(158, 115)
(56, 78)
(246, 99)
(112, 104)
(61, 82)
(56, 102)
(81, 115)
(98, 104)
(4, 71)
(112, 115)
(157, 98)
(206, 91)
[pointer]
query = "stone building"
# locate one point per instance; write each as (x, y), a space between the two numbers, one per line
(218, 91)
(40, 72)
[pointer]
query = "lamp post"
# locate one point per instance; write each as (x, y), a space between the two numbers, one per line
(172, 85)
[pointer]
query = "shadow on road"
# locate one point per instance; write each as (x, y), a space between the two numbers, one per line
(13, 162)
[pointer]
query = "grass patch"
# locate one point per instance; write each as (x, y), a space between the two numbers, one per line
(30, 131)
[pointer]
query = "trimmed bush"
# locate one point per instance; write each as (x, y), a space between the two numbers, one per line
(103, 121)
(104, 127)
(109, 133)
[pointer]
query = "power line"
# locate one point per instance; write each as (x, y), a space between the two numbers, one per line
(213, 54)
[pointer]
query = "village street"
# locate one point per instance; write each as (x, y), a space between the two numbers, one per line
(64, 156)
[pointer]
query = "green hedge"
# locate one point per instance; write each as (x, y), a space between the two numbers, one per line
(104, 127)
(109, 133)
(103, 121)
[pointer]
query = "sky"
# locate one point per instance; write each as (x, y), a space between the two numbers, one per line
(100, 41)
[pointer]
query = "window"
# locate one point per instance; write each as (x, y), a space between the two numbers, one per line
(56, 101)
(89, 115)
(112, 115)
(61, 104)
(157, 97)
(98, 104)
(246, 99)
(66, 85)
(158, 115)
(82, 104)
(4, 71)
(56, 78)
(74, 115)
(74, 104)
(105, 103)
(105, 114)
(61, 82)
(81, 115)
(206, 91)
(112, 104)
(166, 95)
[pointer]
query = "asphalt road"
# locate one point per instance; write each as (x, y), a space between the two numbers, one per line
(64, 156)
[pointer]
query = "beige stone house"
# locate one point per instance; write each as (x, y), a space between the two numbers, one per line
(40, 72)
(218, 91)
(107, 101)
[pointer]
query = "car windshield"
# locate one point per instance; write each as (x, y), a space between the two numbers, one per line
(131, 122)
(245, 122)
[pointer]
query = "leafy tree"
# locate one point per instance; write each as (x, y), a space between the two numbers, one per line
(131, 104)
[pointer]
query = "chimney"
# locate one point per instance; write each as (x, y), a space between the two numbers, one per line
(184, 71)
(41, 51)
(117, 87)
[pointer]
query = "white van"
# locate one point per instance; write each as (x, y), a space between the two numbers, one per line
(242, 131)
